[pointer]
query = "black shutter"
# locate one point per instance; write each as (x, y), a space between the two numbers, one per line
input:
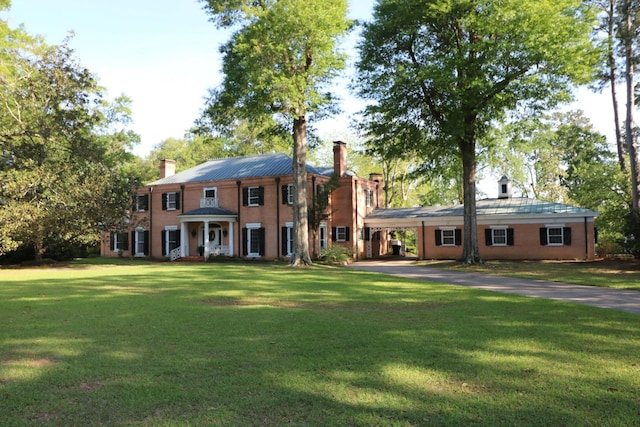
(178, 200)
(112, 238)
(438, 237)
(488, 241)
(245, 197)
(285, 194)
(163, 237)
(133, 243)
(245, 243)
(543, 236)
(510, 237)
(125, 244)
(177, 239)
(261, 235)
(458, 234)
(164, 202)
(146, 242)
(261, 196)
(283, 243)
(566, 235)
(367, 234)
(334, 234)
(347, 231)
(145, 202)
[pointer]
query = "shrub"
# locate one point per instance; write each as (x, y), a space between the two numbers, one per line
(336, 254)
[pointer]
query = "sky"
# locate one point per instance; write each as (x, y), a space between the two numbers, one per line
(165, 56)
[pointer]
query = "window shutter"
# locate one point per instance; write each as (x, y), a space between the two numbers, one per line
(146, 242)
(488, 241)
(163, 237)
(245, 197)
(125, 243)
(164, 202)
(178, 200)
(112, 240)
(261, 196)
(347, 231)
(334, 234)
(283, 242)
(262, 241)
(367, 234)
(510, 237)
(285, 194)
(438, 237)
(543, 236)
(133, 243)
(458, 234)
(178, 238)
(245, 242)
(566, 236)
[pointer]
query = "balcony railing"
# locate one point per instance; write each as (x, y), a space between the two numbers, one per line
(209, 202)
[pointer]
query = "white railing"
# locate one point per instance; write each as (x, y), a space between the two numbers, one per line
(216, 250)
(209, 202)
(175, 253)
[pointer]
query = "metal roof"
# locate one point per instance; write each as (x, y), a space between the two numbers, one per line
(209, 212)
(510, 206)
(238, 168)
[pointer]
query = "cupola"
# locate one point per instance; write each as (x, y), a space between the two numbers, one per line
(504, 188)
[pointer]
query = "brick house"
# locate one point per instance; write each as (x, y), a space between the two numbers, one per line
(242, 207)
(508, 228)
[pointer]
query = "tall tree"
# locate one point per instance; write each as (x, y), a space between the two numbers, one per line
(62, 148)
(455, 67)
(279, 62)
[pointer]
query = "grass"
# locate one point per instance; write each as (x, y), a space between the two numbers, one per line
(159, 344)
(619, 274)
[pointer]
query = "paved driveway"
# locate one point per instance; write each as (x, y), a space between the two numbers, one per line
(616, 299)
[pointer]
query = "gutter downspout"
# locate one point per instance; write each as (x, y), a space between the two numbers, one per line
(239, 240)
(586, 240)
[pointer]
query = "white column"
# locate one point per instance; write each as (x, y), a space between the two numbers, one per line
(230, 238)
(206, 239)
(184, 239)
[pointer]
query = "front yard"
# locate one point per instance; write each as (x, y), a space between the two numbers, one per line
(138, 343)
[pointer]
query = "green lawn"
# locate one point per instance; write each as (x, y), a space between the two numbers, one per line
(620, 274)
(160, 344)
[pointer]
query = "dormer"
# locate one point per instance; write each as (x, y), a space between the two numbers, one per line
(504, 188)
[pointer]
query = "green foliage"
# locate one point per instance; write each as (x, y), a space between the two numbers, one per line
(336, 254)
(62, 151)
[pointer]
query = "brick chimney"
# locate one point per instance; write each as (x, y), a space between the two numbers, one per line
(167, 168)
(340, 158)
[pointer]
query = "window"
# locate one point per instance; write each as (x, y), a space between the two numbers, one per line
(142, 202)
(323, 235)
(170, 201)
(287, 239)
(555, 236)
(253, 240)
(369, 196)
(253, 196)
(170, 239)
(287, 194)
(499, 236)
(140, 242)
(119, 242)
(340, 234)
(448, 237)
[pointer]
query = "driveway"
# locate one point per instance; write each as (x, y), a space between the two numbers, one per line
(616, 299)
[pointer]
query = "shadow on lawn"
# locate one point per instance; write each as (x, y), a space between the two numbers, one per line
(230, 345)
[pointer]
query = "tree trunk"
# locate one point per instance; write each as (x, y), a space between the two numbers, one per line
(632, 144)
(300, 208)
(470, 249)
(613, 77)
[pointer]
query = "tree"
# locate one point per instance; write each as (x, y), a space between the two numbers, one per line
(455, 67)
(278, 63)
(62, 148)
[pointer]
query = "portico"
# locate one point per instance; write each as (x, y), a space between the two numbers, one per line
(208, 228)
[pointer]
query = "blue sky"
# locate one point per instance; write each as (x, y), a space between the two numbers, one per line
(163, 54)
